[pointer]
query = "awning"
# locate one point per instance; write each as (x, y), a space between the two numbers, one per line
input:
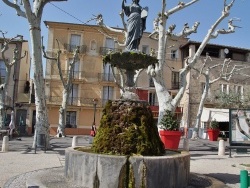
(220, 115)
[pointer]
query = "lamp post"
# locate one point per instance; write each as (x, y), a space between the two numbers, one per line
(95, 103)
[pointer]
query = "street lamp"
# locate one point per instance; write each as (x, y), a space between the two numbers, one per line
(95, 103)
(93, 127)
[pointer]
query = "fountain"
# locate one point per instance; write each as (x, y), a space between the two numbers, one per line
(127, 150)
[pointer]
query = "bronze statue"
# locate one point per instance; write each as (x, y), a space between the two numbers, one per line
(136, 24)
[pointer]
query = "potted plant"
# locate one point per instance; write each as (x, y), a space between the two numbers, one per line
(213, 130)
(170, 133)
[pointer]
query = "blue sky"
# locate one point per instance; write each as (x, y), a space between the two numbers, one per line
(205, 11)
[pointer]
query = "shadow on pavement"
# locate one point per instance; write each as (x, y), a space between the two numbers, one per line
(226, 178)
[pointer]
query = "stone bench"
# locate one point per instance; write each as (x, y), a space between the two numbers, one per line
(236, 147)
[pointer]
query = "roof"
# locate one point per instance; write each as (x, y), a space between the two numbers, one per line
(215, 45)
(47, 23)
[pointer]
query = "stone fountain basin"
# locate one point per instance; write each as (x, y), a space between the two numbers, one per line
(91, 170)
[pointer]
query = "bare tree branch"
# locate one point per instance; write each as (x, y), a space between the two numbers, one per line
(19, 12)
(180, 6)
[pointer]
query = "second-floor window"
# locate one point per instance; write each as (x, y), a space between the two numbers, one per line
(73, 96)
(151, 82)
(75, 40)
(175, 80)
(145, 49)
(238, 90)
(224, 88)
(76, 71)
(107, 94)
(107, 73)
(2, 71)
(109, 44)
(174, 54)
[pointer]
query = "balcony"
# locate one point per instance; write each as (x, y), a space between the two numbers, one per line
(106, 50)
(76, 75)
(107, 77)
(73, 101)
(70, 48)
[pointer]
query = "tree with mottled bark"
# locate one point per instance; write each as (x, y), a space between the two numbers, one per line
(66, 79)
(32, 11)
(161, 34)
(226, 71)
(8, 65)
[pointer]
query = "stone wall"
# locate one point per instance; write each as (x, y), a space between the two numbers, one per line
(109, 171)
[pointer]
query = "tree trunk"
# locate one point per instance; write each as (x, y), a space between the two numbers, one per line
(62, 115)
(2, 111)
(195, 134)
(42, 125)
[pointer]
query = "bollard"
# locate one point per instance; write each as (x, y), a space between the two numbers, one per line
(5, 144)
(244, 179)
(74, 141)
(186, 144)
(221, 149)
(91, 138)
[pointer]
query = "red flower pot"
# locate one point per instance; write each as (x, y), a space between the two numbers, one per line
(170, 139)
(213, 134)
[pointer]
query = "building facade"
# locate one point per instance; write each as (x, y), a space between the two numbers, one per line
(18, 94)
(213, 108)
(93, 82)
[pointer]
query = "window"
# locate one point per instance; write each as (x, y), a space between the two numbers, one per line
(76, 71)
(151, 82)
(152, 99)
(71, 119)
(107, 93)
(107, 75)
(2, 71)
(75, 40)
(175, 80)
(224, 88)
(145, 49)
(109, 44)
(174, 54)
(212, 52)
(73, 96)
(238, 90)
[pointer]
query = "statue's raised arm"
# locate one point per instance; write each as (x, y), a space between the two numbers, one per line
(136, 24)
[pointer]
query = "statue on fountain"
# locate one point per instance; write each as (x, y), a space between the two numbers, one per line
(131, 61)
(136, 24)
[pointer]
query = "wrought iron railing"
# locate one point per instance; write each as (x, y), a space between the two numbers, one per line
(108, 77)
(75, 101)
(71, 48)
